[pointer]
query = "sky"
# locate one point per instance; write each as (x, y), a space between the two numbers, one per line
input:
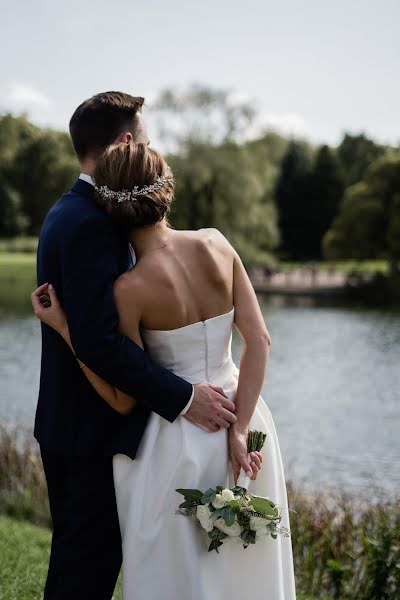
(311, 68)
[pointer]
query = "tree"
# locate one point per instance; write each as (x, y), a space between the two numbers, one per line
(14, 133)
(219, 182)
(325, 191)
(200, 114)
(292, 196)
(356, 153)
(368, 223)
(44, 167)
(217, 186)
(11, 219)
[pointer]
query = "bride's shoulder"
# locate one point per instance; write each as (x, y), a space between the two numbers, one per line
(130, 284)
(211, 237)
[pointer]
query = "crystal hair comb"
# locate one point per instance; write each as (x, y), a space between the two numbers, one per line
(130, 195)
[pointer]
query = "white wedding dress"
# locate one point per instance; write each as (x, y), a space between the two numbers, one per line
(165, 555)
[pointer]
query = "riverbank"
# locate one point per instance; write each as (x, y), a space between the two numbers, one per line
(343, 548)
(360, 281)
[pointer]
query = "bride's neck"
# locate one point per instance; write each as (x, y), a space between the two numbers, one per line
(149, 238)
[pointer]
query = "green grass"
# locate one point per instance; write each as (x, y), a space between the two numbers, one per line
(19, 244)
(24, 555)
(17, 264)
(17, 280)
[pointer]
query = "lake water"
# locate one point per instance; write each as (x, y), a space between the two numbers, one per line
(333, 387)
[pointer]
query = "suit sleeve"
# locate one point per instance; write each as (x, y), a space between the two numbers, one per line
(89, 258)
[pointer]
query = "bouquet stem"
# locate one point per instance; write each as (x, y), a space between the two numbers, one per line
(255, 441)
(243, 480)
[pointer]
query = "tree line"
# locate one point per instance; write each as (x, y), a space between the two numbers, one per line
(272, 197)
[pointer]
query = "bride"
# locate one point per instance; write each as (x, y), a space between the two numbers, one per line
(180, 303)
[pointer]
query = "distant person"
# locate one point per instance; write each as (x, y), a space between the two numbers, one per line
(102, 396)
(268, 271)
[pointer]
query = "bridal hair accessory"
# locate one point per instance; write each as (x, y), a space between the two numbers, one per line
(233, 513)
(130, 195)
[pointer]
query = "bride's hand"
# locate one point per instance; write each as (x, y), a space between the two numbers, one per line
(48, 309)
(251, 464)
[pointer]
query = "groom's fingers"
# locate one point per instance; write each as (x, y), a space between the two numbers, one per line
(228, 404)
(227, 415)
(211, 404)
(221, 422)
(212, 426)
(218, 389)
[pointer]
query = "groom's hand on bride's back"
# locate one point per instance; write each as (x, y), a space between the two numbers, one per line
(211, 408)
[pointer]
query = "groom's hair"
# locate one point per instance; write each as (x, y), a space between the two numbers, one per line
(97, 122)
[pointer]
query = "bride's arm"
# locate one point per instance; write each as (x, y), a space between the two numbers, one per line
(53, 315)
(253, 362)
(256, 342)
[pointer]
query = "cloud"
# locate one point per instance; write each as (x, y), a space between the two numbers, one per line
(239, 98)
(289, 124)
(23, 95)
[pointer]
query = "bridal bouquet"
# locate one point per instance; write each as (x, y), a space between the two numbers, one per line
(232, 513)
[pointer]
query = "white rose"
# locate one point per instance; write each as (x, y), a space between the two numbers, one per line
(203, 514)
(227, 495)
(260, 526)
(218, 501)
(232, 530)
(257, 523)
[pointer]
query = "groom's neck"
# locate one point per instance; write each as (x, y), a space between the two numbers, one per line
(88, 166)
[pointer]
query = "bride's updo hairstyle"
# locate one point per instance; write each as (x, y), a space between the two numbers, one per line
(134, 184)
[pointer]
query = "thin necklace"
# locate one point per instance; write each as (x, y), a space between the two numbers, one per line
(159, 247)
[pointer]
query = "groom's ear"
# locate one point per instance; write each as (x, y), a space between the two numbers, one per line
(124, 138)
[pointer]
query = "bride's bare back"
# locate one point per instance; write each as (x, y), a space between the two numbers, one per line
(197, 276)
(189, 280)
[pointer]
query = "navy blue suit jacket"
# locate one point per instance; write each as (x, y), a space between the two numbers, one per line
(81, 252)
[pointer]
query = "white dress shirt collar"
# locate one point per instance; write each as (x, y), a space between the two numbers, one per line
(87, 178)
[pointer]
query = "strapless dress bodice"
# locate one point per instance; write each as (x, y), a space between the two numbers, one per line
(197, 352)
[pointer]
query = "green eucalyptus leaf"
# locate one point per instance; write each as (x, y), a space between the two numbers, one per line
(228, 515)
(234, 504)
(190, 494)
(264, 506)
(188, 504)
(217, 513)
(208, 496)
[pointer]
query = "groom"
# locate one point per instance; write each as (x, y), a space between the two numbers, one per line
(81, 253)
